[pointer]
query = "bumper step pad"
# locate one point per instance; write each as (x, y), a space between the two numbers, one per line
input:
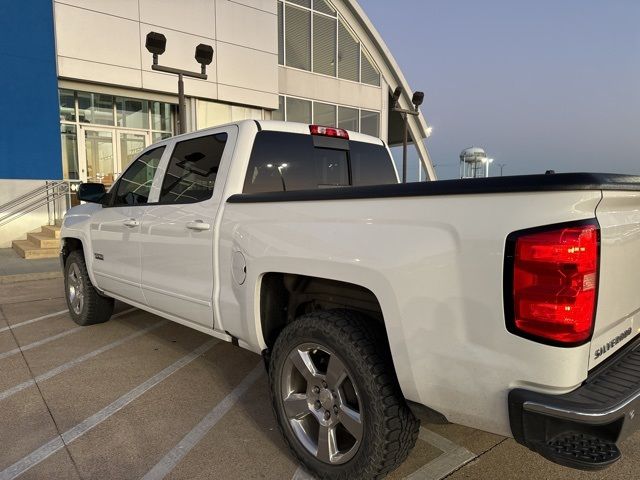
(580, 450)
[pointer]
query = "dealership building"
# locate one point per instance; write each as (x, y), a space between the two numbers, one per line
(81, 99)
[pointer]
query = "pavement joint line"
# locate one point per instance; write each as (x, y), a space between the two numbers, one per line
(302, 474)
(452, 458)
(61, 441)
(33, 320)
(29, 346)
(76, 361)
(191, 439)
(123, 313)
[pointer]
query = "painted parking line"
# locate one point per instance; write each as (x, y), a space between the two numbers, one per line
(58, 442)
(29, 346)
(191, 439)
(76, 361)
(52, 337)
(33, 320)
(453, 457)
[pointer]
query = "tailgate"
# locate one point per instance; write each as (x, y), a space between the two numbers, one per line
(618, 310)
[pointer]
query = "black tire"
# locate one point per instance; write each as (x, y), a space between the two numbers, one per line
(389, 429)
(94, 308)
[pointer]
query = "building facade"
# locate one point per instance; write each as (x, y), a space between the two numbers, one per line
(84, 99)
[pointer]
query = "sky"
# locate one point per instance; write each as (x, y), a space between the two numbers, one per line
(539, 84)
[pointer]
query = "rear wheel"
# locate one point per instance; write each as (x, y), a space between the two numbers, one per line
(86, 305)
(336, 397)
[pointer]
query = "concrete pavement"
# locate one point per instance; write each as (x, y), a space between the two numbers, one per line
(139, 397)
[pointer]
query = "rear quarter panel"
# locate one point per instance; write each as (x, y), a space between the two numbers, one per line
(436, 266)
(618, 310)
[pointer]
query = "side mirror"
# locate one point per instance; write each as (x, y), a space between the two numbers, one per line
(91, 192)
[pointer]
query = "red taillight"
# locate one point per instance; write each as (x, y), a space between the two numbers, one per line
(328, 131)
(554, 283)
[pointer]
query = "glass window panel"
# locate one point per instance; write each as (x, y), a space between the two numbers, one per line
(280, 34)
(324, 7)
(298, 110)
(348, 118)
(370, 123)
(99, 153)
(324, 114)
(134, 185)
(95, 108)
(210, 114)
(369, 73)
(348, 54)
(69, 140)
(161, 116)
(288, 161)
(279, 114)
(132, 113)
(371, 164)
(192, 170)
(298, 37)
(131, 144)
(67, 105)
(302, 3)
(324, 45)
(157, 136)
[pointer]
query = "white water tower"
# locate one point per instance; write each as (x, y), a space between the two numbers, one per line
(474, 163)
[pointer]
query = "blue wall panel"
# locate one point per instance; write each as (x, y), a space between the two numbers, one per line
(29, 117)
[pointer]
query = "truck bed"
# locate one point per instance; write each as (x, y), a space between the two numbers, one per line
(468, 186)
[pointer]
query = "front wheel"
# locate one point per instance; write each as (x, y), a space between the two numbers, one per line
(86, 305)
(336, 398)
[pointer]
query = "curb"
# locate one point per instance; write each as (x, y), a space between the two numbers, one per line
(27, 277)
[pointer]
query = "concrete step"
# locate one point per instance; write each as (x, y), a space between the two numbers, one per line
(29, 250)
(51, 230)
(42, 240)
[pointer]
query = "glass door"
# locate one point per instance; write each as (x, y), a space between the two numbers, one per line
(97, 155)
(129, 147)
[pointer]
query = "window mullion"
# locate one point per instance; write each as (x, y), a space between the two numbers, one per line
(311, 22)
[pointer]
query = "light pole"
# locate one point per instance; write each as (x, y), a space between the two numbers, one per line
(156, 44)
(417, 100)
(487, 162)
(502, 165)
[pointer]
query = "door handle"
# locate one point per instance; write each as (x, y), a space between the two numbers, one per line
(198, 225)
(131, 223)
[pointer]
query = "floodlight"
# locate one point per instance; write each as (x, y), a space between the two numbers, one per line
(417, 98)
(204, 54)
(156, 43)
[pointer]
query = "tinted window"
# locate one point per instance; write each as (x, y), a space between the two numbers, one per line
(192, 169)
(283, 161)
(371, 164)
(134, 185)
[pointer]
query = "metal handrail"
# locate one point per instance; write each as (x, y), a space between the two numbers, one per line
(47, 195)
(35, 192)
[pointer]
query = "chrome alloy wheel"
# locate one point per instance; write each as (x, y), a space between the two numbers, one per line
(75, 289)
(321, 403)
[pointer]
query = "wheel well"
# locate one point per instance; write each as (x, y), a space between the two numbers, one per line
(286, 296)
(69, 245)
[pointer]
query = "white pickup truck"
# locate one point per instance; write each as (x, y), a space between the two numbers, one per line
(506, 304)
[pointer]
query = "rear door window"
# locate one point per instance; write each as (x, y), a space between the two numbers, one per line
(282, 161)
(192, 170)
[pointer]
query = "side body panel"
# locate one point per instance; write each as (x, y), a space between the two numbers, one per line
(436, 266)
(115, 240)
